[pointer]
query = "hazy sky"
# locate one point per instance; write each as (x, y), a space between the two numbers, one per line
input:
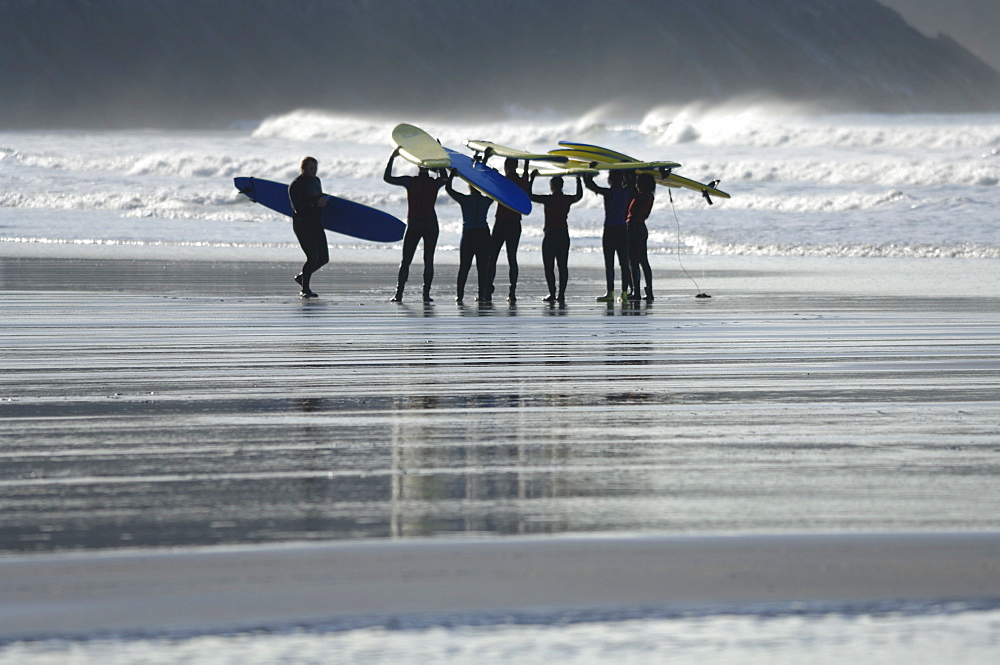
(972, 23)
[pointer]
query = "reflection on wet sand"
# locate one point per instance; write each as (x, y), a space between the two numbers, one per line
(151, 420)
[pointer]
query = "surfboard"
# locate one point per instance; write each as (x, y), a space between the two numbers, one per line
(417, 146)
(612, 155)
(653, 168)
(586, 152)
(610, 159)
(567, 171)
(514, 153)
(490, 182)
(635, 166)
(707, 190)
(339, 215)
(586, 156)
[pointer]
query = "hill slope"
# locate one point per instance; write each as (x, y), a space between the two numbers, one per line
(75, 63)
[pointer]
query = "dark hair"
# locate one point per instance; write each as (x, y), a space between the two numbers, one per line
(647, 181)
(306, 160)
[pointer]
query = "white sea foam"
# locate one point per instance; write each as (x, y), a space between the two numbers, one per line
(800, 184)
(892, 636)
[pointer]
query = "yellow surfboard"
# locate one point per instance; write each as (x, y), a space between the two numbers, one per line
(419, 147)
(635, 166)
(585, 156)
(586, 153)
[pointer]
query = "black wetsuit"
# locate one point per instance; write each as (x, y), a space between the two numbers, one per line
(475, 243)
(555, 241)
(305, 193)
(507, 231)
(421, 224)
(614, 240)
(638, 212)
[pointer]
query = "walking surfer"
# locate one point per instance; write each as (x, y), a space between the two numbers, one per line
(555, 239)
(638, 212)
(615, 237)
(308, 200)
(421, 223)
(475, 240)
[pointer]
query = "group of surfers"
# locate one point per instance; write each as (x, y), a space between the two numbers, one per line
(628, 201)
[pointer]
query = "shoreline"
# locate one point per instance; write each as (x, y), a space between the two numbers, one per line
(941, 277)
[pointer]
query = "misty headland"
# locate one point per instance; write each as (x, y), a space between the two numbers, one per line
(184, 63)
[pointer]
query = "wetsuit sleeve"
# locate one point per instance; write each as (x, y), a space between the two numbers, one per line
(400, 180)
(451, 190)
(458, 196)
(297, 197)
(588, 181)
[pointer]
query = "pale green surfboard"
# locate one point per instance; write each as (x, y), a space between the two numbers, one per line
(417, 146)
(504, 151)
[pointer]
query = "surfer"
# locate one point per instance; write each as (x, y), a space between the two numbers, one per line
(638, 212)
(308, 200)
(475, 239)
(421, 223)
(507, 228)
(615, 237)
(555, 238)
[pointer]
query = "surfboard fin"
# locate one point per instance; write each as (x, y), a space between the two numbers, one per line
(250, 191)
(704, 192)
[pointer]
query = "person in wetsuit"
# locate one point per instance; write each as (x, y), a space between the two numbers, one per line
(421, 223)
(307, 199)
(615, 238)
(475, 240)
(507, 229)
(555, 239)
(638, 213)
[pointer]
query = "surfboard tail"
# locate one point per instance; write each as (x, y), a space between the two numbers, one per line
(704, 192)
(246, 187)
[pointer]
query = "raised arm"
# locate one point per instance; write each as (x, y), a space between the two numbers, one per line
(537, 198)
(388, 177)
(451, 189)
(579, 190)
(588, 180)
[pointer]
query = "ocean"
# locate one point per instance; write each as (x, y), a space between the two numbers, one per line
(921, 186)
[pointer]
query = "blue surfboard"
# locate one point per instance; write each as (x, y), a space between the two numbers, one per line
(339, 215)
(490, 182)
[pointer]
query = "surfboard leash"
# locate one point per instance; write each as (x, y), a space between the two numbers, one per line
(701, 294)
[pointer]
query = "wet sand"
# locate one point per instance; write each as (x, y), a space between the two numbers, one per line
(151, 404)
(480, 581)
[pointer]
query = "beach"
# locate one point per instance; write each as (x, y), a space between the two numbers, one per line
(198, 466)
(820, 433)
